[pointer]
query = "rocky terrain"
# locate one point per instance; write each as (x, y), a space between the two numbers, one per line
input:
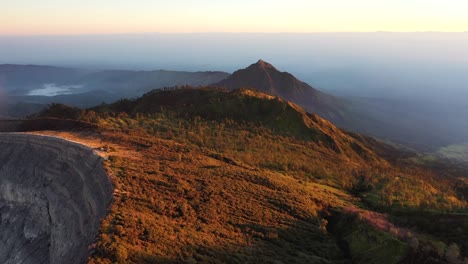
(53, 194)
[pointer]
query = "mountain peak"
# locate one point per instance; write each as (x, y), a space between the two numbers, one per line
(263, 64)
(264, 77)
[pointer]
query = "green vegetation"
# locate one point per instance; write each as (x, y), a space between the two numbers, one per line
(458, 152)
(367, 244)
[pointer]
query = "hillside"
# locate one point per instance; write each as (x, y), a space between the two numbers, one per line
(265, 78)
(424, 126)
(206, 175)
(276, 114)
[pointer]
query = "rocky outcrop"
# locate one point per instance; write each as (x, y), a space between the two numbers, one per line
(53, 194)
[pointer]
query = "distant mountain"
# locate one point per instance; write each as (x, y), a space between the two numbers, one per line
(135, 83)
(425, 127)
(264, 77)
(20, 79)
(19, 110)
(84, 88)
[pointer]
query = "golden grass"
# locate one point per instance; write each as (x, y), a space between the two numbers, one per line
(192, 190)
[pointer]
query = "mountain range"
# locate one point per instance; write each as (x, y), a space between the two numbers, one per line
(33, 84)
(419, 125)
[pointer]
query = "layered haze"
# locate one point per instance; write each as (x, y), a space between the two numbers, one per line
(426, 65)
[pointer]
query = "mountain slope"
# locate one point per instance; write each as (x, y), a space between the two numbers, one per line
(279, 115)
(205, 175)
(423, 126)
(264, 77)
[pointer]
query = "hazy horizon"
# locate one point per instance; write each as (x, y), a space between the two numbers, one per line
(391, 49)
(429, 65)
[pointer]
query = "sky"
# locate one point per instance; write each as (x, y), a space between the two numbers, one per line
(67, 17)
(425, 53)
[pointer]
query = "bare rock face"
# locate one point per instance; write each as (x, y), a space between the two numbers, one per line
(53, 194)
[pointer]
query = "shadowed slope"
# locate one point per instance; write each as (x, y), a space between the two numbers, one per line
(264, 77)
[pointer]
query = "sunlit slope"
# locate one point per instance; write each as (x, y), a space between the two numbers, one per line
(205, 175)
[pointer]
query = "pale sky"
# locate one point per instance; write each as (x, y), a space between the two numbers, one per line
(26, 17)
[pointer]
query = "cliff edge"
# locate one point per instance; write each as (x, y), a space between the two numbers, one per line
(53, 194)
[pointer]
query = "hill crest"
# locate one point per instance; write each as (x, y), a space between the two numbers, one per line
(264, 77)
(247, 106)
